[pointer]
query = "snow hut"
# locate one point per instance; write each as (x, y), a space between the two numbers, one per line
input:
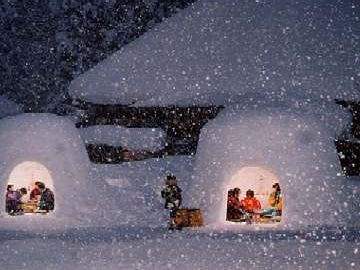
(253, 147)
(46, 148)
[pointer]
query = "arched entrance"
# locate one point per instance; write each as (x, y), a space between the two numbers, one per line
(259, 196)
(23, 178)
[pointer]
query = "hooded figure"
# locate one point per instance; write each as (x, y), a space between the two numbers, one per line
(172, 195)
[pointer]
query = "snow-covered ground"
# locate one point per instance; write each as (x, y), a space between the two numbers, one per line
(143, 248)
(121, 245)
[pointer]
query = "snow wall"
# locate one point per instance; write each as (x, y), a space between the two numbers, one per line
(54, 144)
(294, 144)
(214, 52)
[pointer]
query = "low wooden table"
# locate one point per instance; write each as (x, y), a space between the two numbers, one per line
(29, 207)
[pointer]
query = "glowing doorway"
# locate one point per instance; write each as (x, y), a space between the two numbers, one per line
(265, 206)
(24, 176)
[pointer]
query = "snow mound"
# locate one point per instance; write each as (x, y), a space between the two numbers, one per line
(135, 139)
(54, 144)
(48, 148)
(294, 146)
(45, 147)
(217, 52)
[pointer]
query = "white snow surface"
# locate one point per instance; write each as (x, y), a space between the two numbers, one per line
(225, 52)
(142, 250)
(119, 223)
(55, 144)
(136, 139)
(85, 194)
(296, 145)
(8, 107)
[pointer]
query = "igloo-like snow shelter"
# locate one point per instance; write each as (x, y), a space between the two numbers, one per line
(254, 147)
(47, 148)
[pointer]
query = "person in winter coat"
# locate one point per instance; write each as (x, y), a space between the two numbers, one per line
(234, 208)
(35, 193)
(47, 201)
(275, 198)
(172, 195)
(250, 203)
(11, 200)
(21, 199)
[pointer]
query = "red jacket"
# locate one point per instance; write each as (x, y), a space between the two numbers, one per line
(250, 204)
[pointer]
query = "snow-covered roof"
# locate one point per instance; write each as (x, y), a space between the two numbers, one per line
(135, 139)
(219, 52)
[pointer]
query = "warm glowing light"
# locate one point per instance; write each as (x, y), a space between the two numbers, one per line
(258, 179)
(25, 174)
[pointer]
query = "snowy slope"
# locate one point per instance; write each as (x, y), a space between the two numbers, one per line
(221, 52)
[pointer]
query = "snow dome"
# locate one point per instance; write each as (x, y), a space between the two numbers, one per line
(254, 146)
(46, 148)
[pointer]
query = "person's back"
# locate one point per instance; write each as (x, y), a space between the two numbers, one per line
(47, 200)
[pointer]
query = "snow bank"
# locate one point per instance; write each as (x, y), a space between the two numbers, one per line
(7, 107)
(135, 139)
(296, 145)
(217, 52)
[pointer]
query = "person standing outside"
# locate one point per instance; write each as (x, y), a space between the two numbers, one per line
(173, 199)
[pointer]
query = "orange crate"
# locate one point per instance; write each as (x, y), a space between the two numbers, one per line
(189, 218)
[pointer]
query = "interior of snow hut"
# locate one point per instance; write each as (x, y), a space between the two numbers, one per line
(30, 190)
(254, 196)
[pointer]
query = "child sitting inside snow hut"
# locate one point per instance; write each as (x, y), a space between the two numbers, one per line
(11, 200)
(234, 208)
(250, 203)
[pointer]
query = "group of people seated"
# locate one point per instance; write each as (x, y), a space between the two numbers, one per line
(41, 199)
(250, 207)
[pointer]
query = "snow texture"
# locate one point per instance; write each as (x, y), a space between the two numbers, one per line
(55, 144)
(85, 194)
(7, 107)
(222, 52)
(143, 249)
(135, 139)
(295, 145)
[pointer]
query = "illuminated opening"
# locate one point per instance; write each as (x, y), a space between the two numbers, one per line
(254, 196)
(30, 190)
